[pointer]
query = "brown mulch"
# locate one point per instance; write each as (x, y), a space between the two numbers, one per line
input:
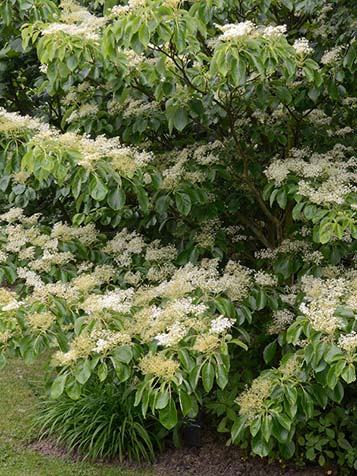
(216, 459)
(213, 458)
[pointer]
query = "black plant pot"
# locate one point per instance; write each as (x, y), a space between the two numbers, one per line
(192, 433)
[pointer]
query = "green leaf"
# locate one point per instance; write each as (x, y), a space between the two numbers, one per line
(57, 387)
(338, 393)
(291, 395)
(310, 211)
(284, 267)
(97, 189)
(280, 433)
(284, 421)
(162, 204)
(123, 371)
(261, 300)
(332, 378)
(144, 35)
(162, 399)
(143, 198)
(238, 429)
(185, 402)
(320, 395)
(287, 449)
(282, 198)
(239, 343)
(124, 354)
(310, 454)
(73, 388)
(102, 371)
(221, 376)
(259, 446)
(208, 376)
(83, 371)
(183, 203)
(349, 373)
(255, 426)
(266, 427)
(4, 182)
(180, 118)
(333, 354)
(297, 210)
(194, 376)
(225, 307)
(116, 199)
(168, 415)
(269, 352)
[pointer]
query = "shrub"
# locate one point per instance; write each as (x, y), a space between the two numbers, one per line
(180, 207)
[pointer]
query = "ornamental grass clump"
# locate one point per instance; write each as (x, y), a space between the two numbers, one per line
(101, 423)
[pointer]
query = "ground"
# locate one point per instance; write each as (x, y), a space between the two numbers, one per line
(19, 456)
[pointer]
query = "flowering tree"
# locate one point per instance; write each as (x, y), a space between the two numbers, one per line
(180, 208)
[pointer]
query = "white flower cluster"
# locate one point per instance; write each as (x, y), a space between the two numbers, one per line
(14, 214)
(220, 325)
(76, 21)
(85, 110)
(124, 159)
(348, 342)
(179, 306)
(11, 122)
(281, 320)
(274, 31)
(87, 234)
(319, 118)
(136, 107)
(49, 259)
(206, 235)
(292, 247)
(235, 233)
(302, 47)
(155, 252)
(322, 297)
(265, 279)
(207, 154)
(13, 305)
(235, 281)
(106, 340)
(119, 301)
(124, 245)
(331, 56)
(325, 178)
(235, 31)
(175, 333)
(86, 32)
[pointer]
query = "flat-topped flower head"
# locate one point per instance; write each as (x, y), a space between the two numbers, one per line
(157, 365)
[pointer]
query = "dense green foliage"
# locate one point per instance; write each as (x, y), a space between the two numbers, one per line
(179, 213)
